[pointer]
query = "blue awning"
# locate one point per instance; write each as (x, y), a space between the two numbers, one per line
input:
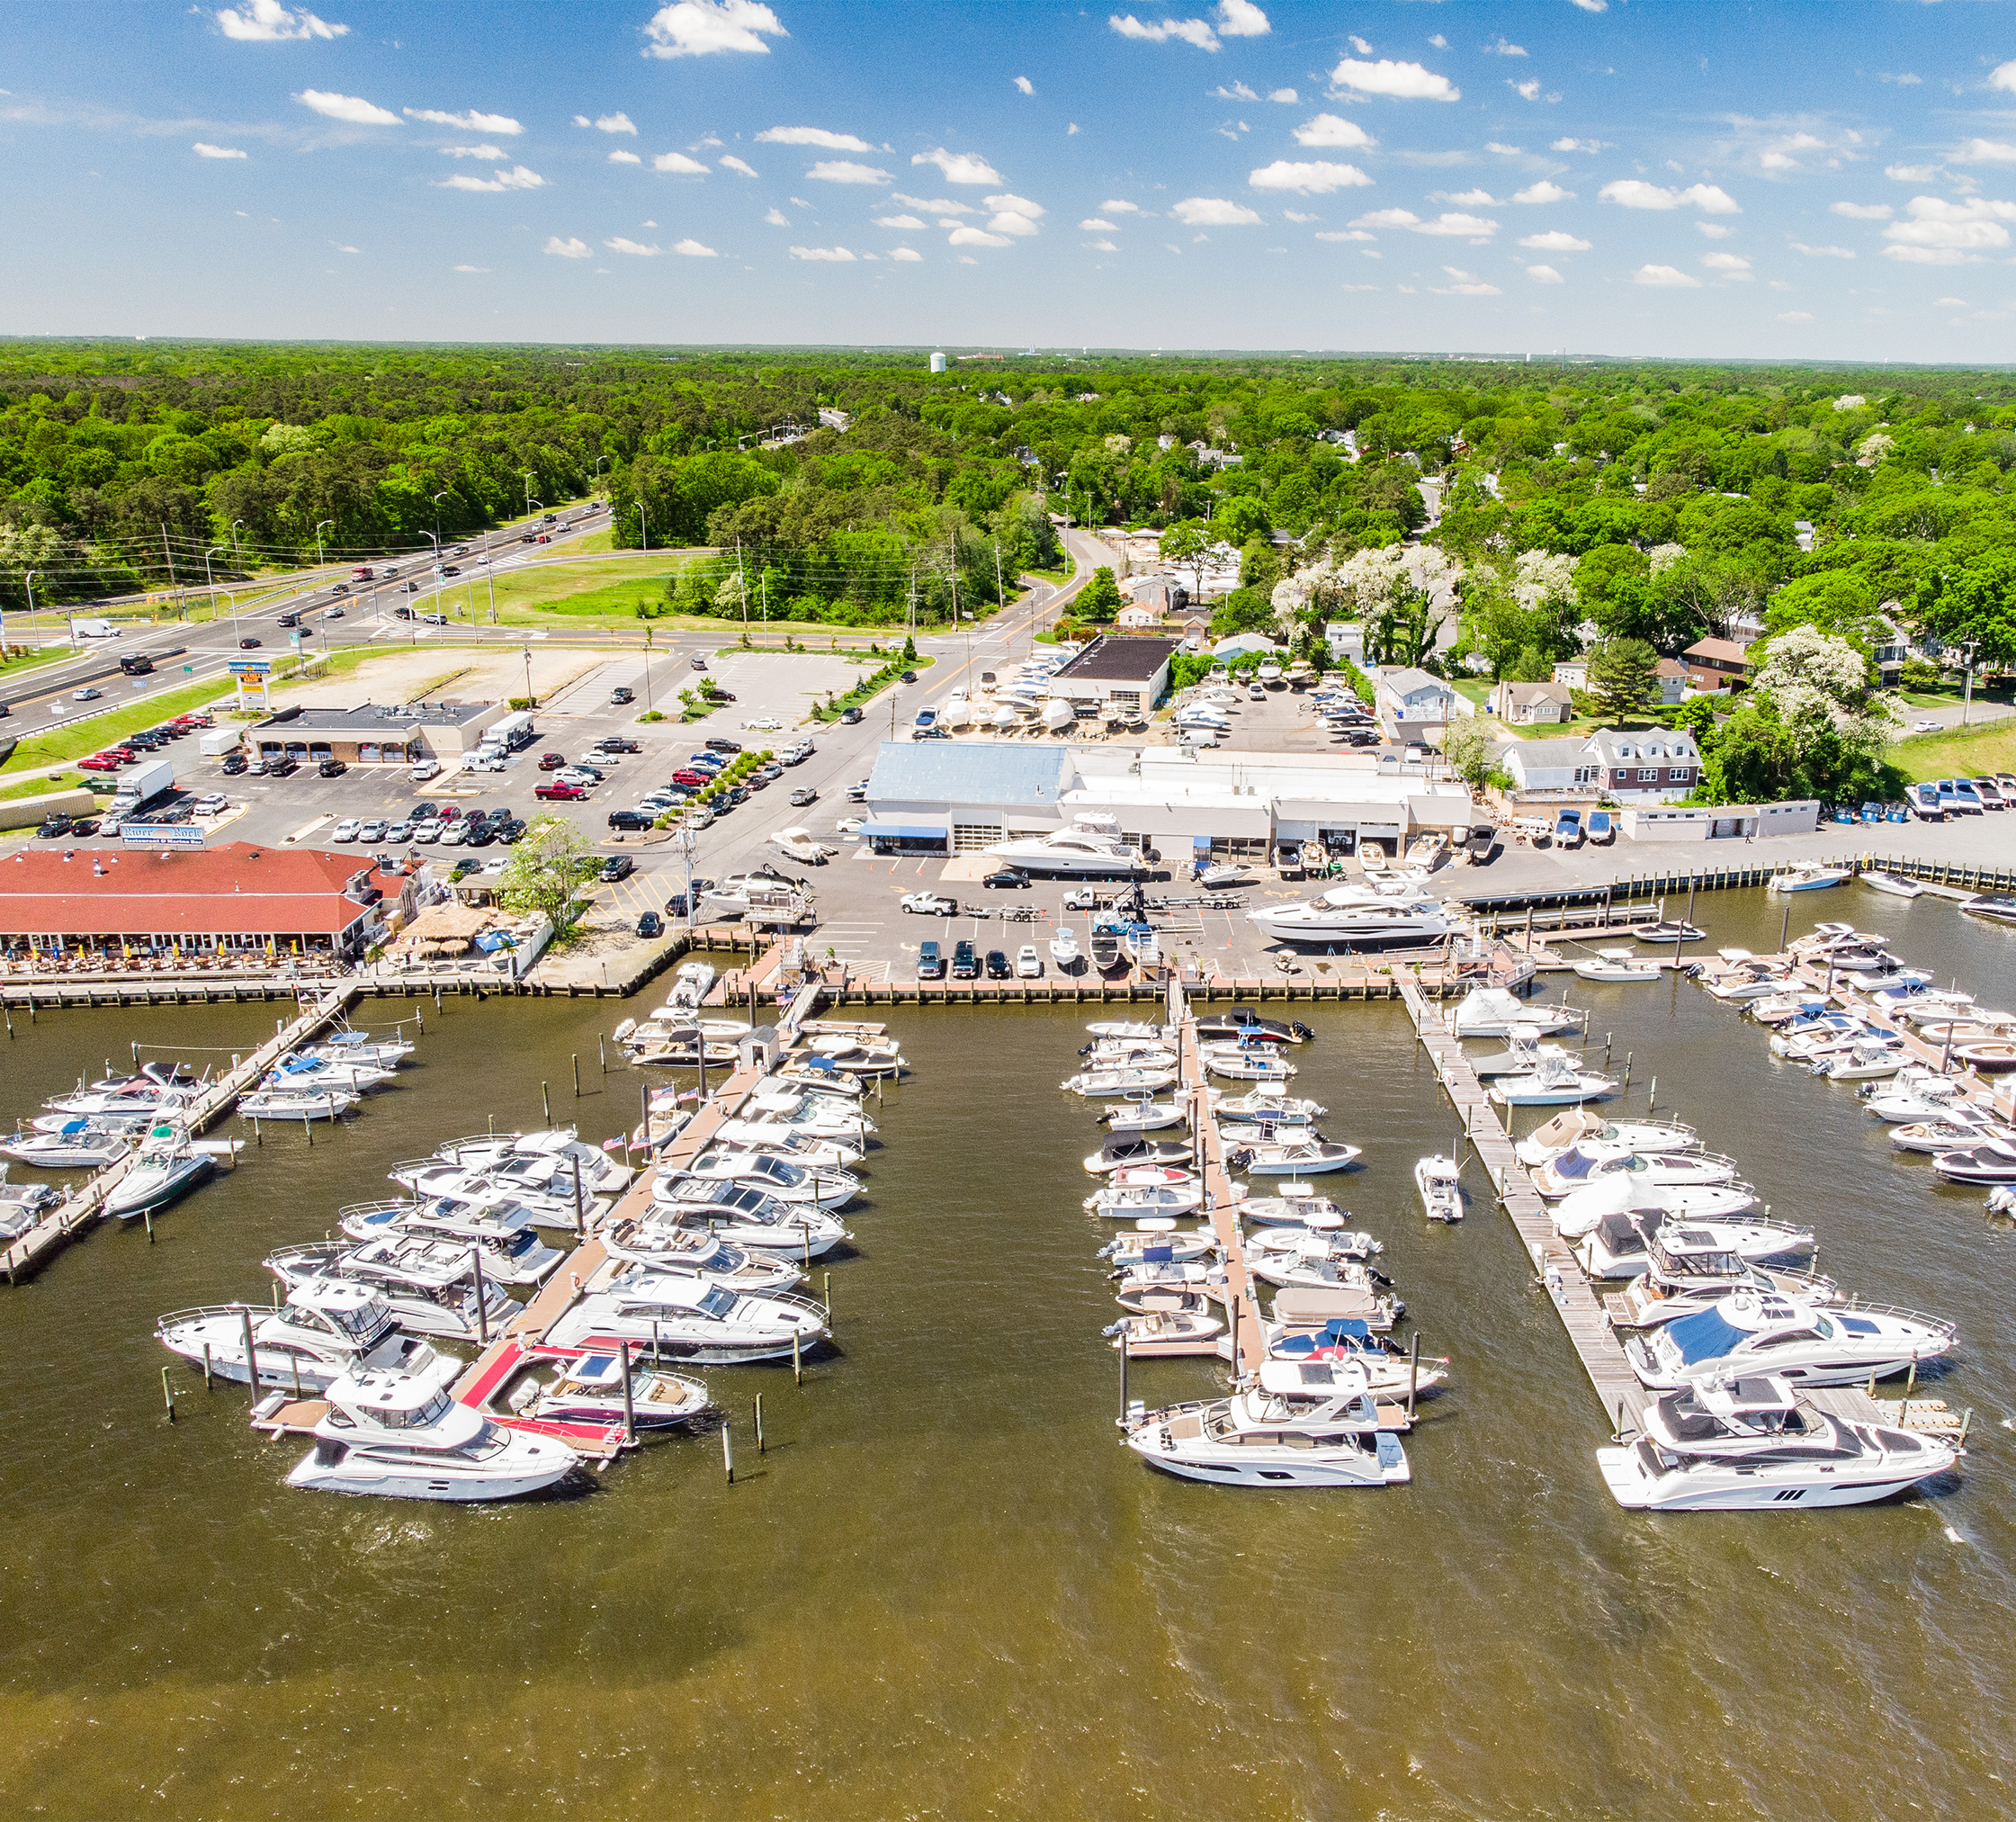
(906, 831)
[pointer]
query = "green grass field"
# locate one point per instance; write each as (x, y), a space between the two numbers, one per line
(67, 781)
(1958, 752)
(73, 742)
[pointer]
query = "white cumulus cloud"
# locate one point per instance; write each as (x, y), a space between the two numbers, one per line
(2004, 76)
(731, 163)
(1821, 252)
(1242, 19)
(814, 135)
(607, 123)
(1730, 265)
(1862, 212)
(700, 28)
(776, 217)
(1288, 97)
(1112, 206)
(517, 178)
(1025, 85)
(1332, 130)
(1555, 240)
(1578, 145)
(490, 153)
(693, 249)
(958, 167)
(1544, 275)
(267, 22)
(1635, 192)
(1344, 234)
(970, 236)
(634, 247)
(347, 107)
(1093, 225)
(847, 171)
(1543, 192)
(679, 164)
(907, 254)
(1235, 19)
(1401, 81)
(1944, 233)
(1212, 211)
(837, 255)
(568, 249)
(471, 122)
(1317, 178)
(472, 268)
(1668, 278)
(208, 151)
(620, 157)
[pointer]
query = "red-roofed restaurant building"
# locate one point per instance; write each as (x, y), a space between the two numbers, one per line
(235, 897)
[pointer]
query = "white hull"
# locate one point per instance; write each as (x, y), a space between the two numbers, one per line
(1751, 1488)
(147, 1187)
(1891, 883)
(525, 1465)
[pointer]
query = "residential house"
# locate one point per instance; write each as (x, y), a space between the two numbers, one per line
(1716, 663)
(1655, 765)
(1196, 633)
(1892, 647)
(1519, 704)
(1673, 677)
(1573, 672)
(1241, 644)
(1138, 618)
(1346, 641)
(1410, 701)
(1561, 764)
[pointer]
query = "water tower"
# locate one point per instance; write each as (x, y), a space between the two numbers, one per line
(937, 364)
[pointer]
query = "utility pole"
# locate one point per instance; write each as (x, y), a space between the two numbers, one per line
(742, 588)
(647, 667)
(1000, 599)
(643, 531)
(170, 557)
(1966, 685)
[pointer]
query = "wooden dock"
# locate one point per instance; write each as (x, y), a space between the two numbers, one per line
(85, 1207)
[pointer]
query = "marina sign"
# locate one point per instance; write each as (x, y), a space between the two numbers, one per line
(160, 835)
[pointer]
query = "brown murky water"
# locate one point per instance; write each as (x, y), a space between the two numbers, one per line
(946, 1590)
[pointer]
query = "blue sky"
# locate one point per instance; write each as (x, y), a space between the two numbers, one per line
(1617, 176)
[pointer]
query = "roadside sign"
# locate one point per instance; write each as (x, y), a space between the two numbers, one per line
(252, 668)
(160, 835)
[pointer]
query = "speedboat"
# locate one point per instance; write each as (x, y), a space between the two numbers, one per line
(400, 1436)
(513, 1252)
(1124, 1154)
(1521, 1056)
(772, 1139)
(690, 987)
(1297, 1206)
(1245, 1025)
(750, 1217)
(859, 1055)
(1130, 1201)
(429, 1284)
(1555, 1082)
(1064, 952)
(1171, 1332)
(1617, 966)
(327, 1326)
(1131, 1118)
(692, 1319)
(1808, 878)
(21, 1205)
(1133, 1030)
(1495, 1011)
(1440, 1187)
(667, 1246)
(1669, 930)
(152, 1091)
(1091, 848)
(587, 1388)
(77, 1145)
(1356, 918)
(1895, 884)
(163, 1169)
(352, 1074)
(1991, 1161)
(794, 1184)
(1305, 1423)
(1295, 1157)
(1107, 1081)
(361, 1047)
(1275, 1123)
(1987, 1056)
(602, 1173)
(1266, 1104)
(1389, 1372)
(1795, 1341)
(1578, 1124)
(1627, 1244)
(1873, 1060)
(1625, 1193)
(1992, 908)
(1742, 1444)
(1952, 1131)
(280, 1099)
(1588, 1160)
(1245, 1063)
(552, 1193)
(1155, 1242)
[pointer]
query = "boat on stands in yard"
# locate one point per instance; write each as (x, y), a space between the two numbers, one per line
(1748, 1444)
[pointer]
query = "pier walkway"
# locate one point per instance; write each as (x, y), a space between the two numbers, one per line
(85, 1207)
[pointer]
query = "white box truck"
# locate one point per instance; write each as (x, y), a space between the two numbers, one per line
(94, 629)
(512, 733)
(146, 784)
(220, 741)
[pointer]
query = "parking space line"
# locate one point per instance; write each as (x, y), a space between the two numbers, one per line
(307, 829)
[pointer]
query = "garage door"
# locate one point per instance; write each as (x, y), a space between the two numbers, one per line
(966, 837)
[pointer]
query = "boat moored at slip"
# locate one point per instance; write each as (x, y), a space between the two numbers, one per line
(1627, 1245)
(687, 1318)
(1796, 1340)
(587, 1387)
(1293, 1157)
(1497, 1012)
(1735, 1444)
(1126, 1080)
(1619, 967)
(513, 1252)
(1129, 1152)
(164, 1168)
(1553, 1081)
(669, 1246)
(1808, 878)
(1987, 1161)
(429, 1285)
(1390, 1372)
(1588, 1160)
(1578, 1124)
(75, 1144)
(1892, 883)
(1309, 1423)
(750, 1218)
(326, 1327)
(789, 1183)
(399, 1436)
(280, 1099)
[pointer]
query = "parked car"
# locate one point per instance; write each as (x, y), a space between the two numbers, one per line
(650, 925)
(631, 818)
(1005, 878)
(557, 794)
(616, 743)
(577, 775)
(234, 764)
(617, 866)
(930, 961)
(965, 964)
(54, 827)
(803, 795)
(101, 762)
(998, 968)
(426, 769)
(211, 803)
(332, 768)
(552, 762)
(719, 746)
(372, 832)
(398, 832)
(282, 767)
(346, 830)
(1028, 963)
(931, 904)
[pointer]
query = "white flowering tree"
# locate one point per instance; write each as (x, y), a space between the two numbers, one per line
(1402, 593)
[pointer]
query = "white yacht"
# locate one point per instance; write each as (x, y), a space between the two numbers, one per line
(1587, 1160)
(1739, 1445)
(1388, 1371)
(1794, 1340)
(1064, 952)
(1949, 1132)
(400, 1436)
(1356, 918)
(1554, 1082)
(1625, 1245)
(688, 1318)
(748, 1218)
(587, 1388)
(859, 1056)
(1617, 967)
(137, 1098)
(1122, 1081)
(1439, 1184)
(1297, 1206)
(430, 1285)
(352, 1074)
(690, 987)
(75, 1145)
(361, 1047)
(1684, 1266)
(666, 1247)
(513, 1252)
(1091, 848)
(1808, 878)
(326, 1327)
(1293, 1157)
(1133, 1152)
(1305, 1423)
(164, 1168)
(1495, 1011)
(794, 1184)
(771, 1138)
(284, 1101)
(1873, 1059)
(1268, 1104)
(550, 1192)
(1626, 1193)
(1645, 1137)
(603, 1173)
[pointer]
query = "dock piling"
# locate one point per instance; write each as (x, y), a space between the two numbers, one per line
(1413, 1370)
(727, 1449)
(147, 1215)
(797, 1368)
(759, 1423)
(483, 1314)
(168, 1395)
(206, 1367)
(576, 1059)
(251, 1353)
(580, 1227)
(630, 1408)
(546, 1102)
(1123, 1377)
(827, 1288)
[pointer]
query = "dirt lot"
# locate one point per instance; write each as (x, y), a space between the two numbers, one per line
(479, 673)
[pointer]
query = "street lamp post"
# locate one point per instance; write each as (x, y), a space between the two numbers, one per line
(646, 668)
(1967, 683)
(28, 582)
(529, 477)
(530, 704)
(319, 524)
(210, 580)
(237, 555)
(643, 530)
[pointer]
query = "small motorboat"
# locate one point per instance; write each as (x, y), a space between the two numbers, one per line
(1266, 1105)
(1111, 1082)
(1293, 1157)
(1671, 930)
(1620, 966)
(1872, 1060)
(401, 1436)
(164, 1167)
(1892, 883)
(1439, 1184)
(1988, 1056)
(1129, 1153)
(1246, 1063)
(1133, 1030)
(1555, 1082)
(1130, 1118)
(1217, 878)
(1297, 1206)
(1808, 878)
(1388, 1371)
(1168, 1332)
(1950, 1131)
(1991, 1161)
(748, 1216)
(1064, 954)
(1749, 1444)
(1564, 1130)
(1498, 1011)
(1688, 1252)
(1246, 1026)
(796, 1185)
(1130, 1201)
(1155, 1241)
(1992, 908)
(588, 1388)
(1305, 1423)
(75, 1145)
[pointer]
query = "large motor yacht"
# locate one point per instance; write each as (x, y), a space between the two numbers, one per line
(692, 1319)
(1306, 1424)
(1358, 919)
(797, 1184)
(326, 1327)
(430, 1284)
(1736, 1445)
(746, 1216)
(400, 1436)
(1091, 848)
(1797, 1342)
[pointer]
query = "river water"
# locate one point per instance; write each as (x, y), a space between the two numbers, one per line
(946, 1590)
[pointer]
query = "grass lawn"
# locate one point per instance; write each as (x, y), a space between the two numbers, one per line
(1958, 752)
(73, 742)
(55, 654)
(67, 781)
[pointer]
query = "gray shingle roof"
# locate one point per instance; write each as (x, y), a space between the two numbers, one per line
(969, 772)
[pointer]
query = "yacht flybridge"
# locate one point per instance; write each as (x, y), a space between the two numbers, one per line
(1091, 848)
(1306, 1424)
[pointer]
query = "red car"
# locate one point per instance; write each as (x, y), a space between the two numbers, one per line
(552, 762)
(102, 762)
(566, 793)
(691, 780)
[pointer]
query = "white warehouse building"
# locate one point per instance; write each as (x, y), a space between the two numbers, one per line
(959, 797)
